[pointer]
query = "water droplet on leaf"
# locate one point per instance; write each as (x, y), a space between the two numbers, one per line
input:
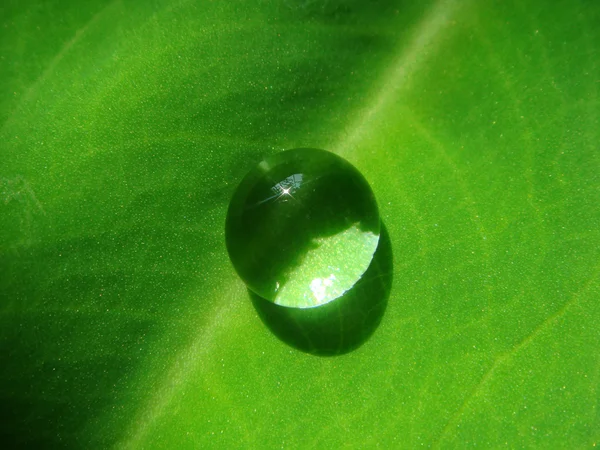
(302, 228)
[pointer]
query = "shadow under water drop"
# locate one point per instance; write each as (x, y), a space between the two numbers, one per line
(339, 326)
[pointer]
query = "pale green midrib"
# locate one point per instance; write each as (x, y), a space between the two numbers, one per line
(183, 365)
(140, 427)
(404, 65)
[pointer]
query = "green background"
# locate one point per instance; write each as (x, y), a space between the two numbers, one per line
(125, 126)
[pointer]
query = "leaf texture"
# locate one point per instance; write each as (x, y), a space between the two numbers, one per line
(125, 127)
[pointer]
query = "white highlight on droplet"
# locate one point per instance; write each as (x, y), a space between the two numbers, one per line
(319, 286)
(331, 266)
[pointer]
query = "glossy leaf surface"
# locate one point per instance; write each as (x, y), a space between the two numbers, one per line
(124, 129)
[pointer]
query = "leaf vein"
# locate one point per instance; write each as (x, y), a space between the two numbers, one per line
(504, 358)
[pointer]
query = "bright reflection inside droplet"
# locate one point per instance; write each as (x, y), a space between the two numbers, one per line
(319, 286)
(302, 228)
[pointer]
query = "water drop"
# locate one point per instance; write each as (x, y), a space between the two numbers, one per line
(302, 228)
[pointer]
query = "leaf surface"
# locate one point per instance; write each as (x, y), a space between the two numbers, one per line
(125, 129)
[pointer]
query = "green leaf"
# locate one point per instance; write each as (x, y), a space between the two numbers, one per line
(126, 126)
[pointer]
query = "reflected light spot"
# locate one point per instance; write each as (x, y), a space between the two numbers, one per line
(319, 286)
